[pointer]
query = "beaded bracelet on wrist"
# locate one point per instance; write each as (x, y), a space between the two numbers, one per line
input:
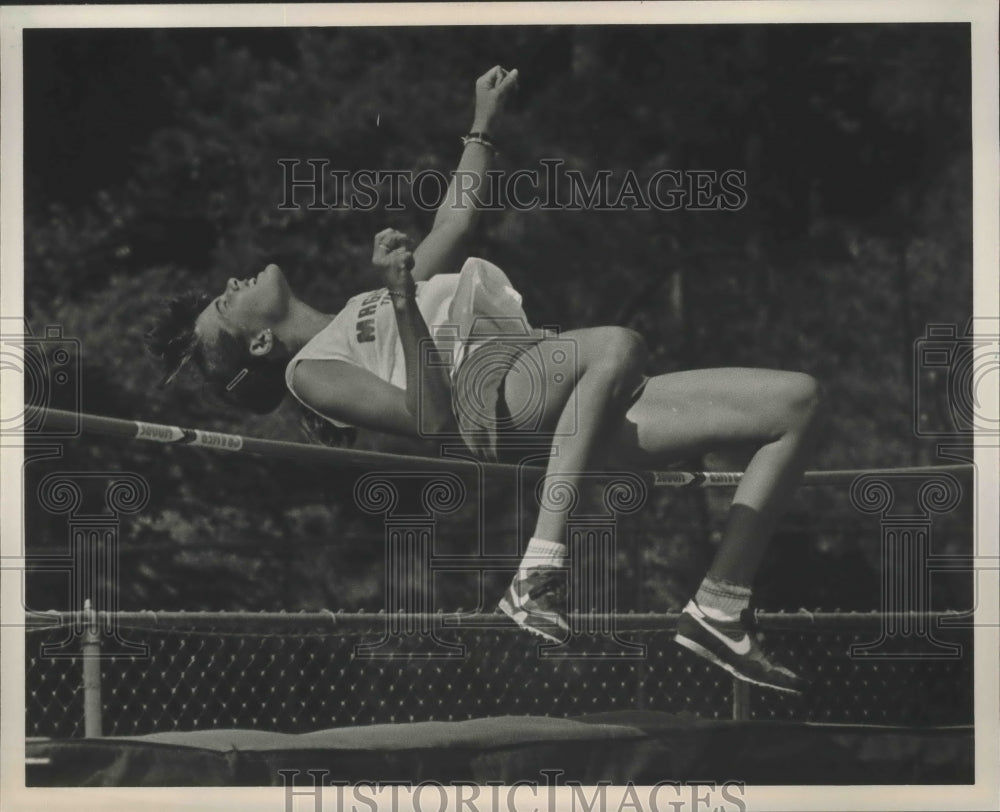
(482, 139)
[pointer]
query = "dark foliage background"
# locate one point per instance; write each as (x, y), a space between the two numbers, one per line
(151, 163)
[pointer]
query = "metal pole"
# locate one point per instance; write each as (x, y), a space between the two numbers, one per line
(57, 419)
(741, 700)
(91, 673)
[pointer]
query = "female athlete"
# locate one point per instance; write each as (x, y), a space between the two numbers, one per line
(591, 404)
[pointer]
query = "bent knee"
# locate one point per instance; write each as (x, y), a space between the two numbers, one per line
(622, 348)
(803, 399)
(621, 360)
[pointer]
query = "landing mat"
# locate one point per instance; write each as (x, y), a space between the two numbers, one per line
(639, 746)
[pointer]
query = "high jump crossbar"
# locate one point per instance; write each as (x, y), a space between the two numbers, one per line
(459, 459)
(360, 622)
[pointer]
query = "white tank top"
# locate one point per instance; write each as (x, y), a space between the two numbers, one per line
(477, 302)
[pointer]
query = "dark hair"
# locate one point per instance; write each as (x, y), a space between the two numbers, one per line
(171, 337)
(234, 375)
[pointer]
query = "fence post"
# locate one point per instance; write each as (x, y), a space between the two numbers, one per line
(91, 648)
(741, 700)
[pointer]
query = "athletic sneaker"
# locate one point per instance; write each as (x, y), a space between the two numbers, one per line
(536, 601)
(730, 646)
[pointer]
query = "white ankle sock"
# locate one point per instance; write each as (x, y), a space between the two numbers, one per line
(722, 600)
(541, 553)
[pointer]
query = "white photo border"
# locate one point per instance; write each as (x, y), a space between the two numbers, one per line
(982, 15)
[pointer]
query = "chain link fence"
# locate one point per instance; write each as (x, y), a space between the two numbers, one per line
(295, 673)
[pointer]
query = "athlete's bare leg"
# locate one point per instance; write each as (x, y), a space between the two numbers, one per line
(679, 415)
(582, 407)
(685, 414)
(691, 413)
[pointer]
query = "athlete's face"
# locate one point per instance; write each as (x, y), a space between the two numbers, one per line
(246, 306)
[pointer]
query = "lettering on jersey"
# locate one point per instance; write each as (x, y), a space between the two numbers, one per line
(365, 328)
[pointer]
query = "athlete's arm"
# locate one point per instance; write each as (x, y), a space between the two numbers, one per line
(353, 395)
(446, 247)
(428, 387)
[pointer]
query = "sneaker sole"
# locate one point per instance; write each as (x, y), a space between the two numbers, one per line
(508, 610)
(701, 651)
